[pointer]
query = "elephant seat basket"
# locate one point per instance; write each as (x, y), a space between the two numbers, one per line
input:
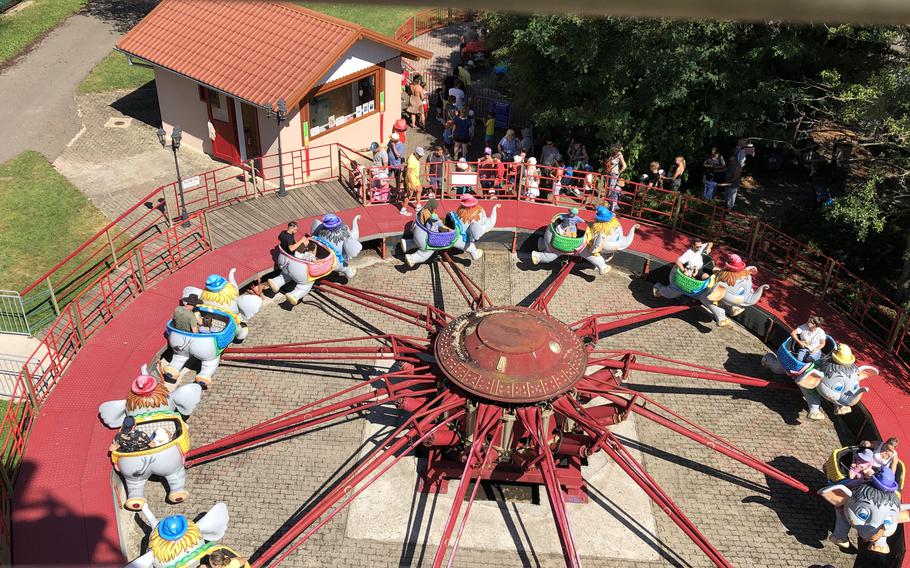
(152, 423)
(688, 285)
(438, 240)
(786, 356)
(223, 331)
(563, 243)
(322, 266)
(838, 465)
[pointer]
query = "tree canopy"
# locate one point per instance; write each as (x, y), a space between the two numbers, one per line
(664, 88)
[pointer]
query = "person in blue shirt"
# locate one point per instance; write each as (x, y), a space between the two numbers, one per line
(462, 134)
(568, 223)
(396, 157)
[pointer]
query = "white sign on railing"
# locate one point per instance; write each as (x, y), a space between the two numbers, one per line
(191, 182)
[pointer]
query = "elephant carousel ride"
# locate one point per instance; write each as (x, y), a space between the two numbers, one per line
(835, 377)
(226, 313)
(177, 541)
(153, 437)
(334, 244)
(460, 230)
(496, 394)
(725, 291)
(568, 235)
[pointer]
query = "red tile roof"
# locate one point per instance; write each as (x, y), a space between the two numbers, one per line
(257, 51)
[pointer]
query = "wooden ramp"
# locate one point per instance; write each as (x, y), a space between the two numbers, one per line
(240, 220)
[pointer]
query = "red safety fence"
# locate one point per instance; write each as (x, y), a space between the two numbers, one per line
(427, 20)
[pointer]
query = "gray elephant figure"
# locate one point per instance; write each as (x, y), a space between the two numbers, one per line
(836, 378)
(336, 246)
(873, 509)
(230, 312)
(604, 235)
(164, 456)
(147, 394)
(179, 541)
(427, 241)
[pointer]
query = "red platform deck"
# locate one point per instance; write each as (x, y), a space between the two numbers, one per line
(64, 510)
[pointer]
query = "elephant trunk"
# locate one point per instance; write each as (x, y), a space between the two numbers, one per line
(755, 296)
(492, 216)
(355, 229)
(851, 399)
(627, 238)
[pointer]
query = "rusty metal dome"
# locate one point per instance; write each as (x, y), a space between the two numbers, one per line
(511, 354)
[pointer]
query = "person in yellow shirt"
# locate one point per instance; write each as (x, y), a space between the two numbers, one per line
(489, 129)
(412, 181)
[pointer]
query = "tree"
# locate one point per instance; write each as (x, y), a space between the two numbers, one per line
(664, 88)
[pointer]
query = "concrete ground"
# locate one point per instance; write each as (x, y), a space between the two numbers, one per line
(752, 520)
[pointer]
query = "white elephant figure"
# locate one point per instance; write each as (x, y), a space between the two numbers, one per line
(224, 294)
(604, 235)
(835, 377)
(336, 245)
(178, 541)
(728, 291)
(471, 220)
(165, 458)
(147, 394)
(873, 509)
(427, 241)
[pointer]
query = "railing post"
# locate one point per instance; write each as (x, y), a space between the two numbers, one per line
(253, 175)
(903, 319)
(204, 223)
(50, 287)
(29, 387)
(78, 323)
(110, 243)
(828, 274)
(677, 209)
(140, 267)
(413, 26)
(753, 240)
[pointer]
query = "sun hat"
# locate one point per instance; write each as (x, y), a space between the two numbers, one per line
(191, 300)
(394, 136)
(462, 164)
(734, 263)
(884, 480)
(516, 159)
(843, 355)
(865, 455)
(488, 151)
(420, 151)
(215, 283)
(468, 200)
(144, 385)
(532, 160)
(574, 210)
(603, 214)
(173, 528)
(331, 221)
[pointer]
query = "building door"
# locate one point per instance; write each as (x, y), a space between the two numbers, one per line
(224, 119)
(251, 141)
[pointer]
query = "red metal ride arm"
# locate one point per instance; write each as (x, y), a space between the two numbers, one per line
(543, 300)
(472, 293)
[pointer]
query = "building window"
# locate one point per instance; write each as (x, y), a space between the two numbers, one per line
(343, 103)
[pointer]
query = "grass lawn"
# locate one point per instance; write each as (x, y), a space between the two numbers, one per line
(379, 18)
(115, 72)
(43, 218)
(19, 29)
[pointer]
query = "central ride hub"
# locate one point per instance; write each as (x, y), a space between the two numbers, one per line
(511, 354)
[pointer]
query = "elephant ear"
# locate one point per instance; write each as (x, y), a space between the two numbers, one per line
(191, 290)
(214, 524)
(147, 560)
(112, 413)
(187, 397)
(718, 292)
(904, 515)
(352, 248)
(314, 226)
(837, 495)
(867, 371)
(810, 380)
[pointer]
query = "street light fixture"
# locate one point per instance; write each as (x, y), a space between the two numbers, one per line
(281, 115)
(176, 136)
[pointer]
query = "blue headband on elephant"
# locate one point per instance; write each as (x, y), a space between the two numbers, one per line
(215, 282)
(331, 221)
(173, 528)
(884, 480)
(603, 214)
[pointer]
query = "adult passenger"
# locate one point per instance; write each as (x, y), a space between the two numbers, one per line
(810, 337)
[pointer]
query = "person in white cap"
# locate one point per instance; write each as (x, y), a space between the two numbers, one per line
(532, 178)
(412, 180)
(396, 157)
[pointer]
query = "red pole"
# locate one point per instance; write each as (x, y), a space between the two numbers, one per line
(543, 300)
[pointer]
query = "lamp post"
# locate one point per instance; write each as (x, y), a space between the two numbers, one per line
(281, 115)
(176, 135)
